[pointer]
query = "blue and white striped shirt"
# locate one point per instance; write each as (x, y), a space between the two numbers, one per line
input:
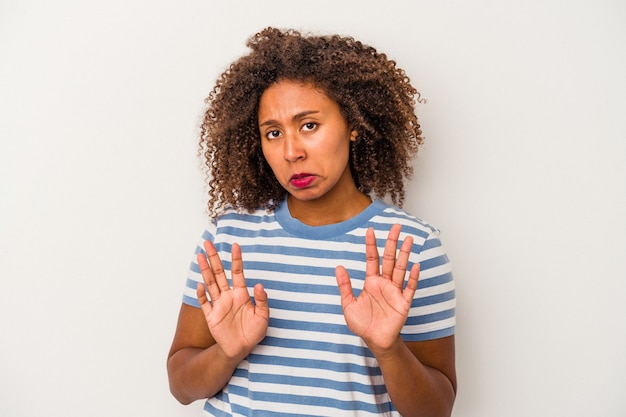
(309, 363)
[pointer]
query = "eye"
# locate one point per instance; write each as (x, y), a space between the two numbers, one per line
(272, 134)
(309, 126)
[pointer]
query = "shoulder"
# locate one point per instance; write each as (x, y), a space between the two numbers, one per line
(242, 223)
(411, 225)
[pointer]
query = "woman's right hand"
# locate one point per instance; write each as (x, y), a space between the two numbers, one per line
(236, 323)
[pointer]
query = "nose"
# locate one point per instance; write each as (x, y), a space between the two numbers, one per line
(292, 148)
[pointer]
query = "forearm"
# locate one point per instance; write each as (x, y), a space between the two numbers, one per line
(415, 389)
(196, 373)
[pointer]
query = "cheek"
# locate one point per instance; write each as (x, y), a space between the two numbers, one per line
(341, 150)
(266, 153)
(270, 158)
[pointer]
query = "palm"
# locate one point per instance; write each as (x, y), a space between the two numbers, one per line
(233, 321)
(236, 323)
(379, 312)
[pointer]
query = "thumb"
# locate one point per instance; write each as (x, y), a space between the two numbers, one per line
(260, 300)
(345, 286)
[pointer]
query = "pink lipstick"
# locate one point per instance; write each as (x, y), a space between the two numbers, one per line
(301, 180)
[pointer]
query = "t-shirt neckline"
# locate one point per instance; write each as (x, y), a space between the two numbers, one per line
(296, 227)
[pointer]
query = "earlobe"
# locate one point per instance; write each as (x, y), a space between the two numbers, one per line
(353, 135)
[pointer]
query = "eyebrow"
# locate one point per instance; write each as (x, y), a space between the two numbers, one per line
(296, 116)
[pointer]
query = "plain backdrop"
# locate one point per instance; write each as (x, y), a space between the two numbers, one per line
(102, 199)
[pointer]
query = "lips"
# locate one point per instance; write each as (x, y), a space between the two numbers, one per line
(301, 180)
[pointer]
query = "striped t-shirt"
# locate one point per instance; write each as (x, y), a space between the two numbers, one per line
(309, 363)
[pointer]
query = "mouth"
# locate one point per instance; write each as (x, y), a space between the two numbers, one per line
(301, 180)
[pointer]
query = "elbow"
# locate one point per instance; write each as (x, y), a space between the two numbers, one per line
(177, 387)
(180, 397)
(179, 393)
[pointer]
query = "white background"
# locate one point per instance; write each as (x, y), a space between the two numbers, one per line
(101, 198)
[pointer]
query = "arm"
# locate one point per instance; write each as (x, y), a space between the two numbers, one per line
(197, 367)
(420, 376)
(211, 341)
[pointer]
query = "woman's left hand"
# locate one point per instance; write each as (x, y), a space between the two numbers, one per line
(379, 312)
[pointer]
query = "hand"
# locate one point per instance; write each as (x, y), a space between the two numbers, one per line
(380, 311)
(236, 324)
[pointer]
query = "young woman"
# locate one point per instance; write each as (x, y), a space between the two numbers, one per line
(302, 138)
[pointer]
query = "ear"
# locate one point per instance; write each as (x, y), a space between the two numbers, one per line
(353, 135)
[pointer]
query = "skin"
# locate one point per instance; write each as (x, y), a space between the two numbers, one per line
(304, 132)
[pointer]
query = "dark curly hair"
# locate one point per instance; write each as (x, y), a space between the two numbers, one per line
(375, 97)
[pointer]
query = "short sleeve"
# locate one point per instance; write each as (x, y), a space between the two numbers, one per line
(194, 276)
(433, 310)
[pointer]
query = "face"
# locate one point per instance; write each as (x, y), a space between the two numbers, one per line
(306, 141)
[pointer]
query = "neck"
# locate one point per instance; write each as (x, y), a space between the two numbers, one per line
(328, 209)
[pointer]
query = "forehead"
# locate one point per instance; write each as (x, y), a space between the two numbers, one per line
(289, 97)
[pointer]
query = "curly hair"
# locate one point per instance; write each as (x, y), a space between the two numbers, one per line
(374, 95)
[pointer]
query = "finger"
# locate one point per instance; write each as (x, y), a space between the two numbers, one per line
(402, 263)
(216, 267)
(236, 268)
(210, 285)
(345, 286)
(260, 301)
(389, 254)
(411, 285)
(205, 304)
(372, 266)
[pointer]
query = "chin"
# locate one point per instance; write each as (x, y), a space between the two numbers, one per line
(305, 195)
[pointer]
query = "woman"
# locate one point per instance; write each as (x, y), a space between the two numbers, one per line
(302, 137)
